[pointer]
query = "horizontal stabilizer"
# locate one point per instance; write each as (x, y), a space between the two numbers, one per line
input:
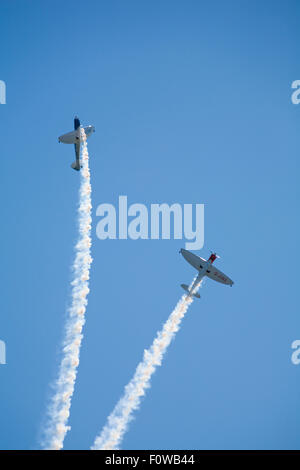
(186, 288)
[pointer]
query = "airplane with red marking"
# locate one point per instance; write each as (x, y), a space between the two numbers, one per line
(204, 268)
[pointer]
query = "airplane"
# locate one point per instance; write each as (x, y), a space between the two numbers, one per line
(74, 138)
(205, 268)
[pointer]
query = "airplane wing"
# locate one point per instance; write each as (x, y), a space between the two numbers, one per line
(211, 271)
(218, 276)
(196, 261)
(89, 130)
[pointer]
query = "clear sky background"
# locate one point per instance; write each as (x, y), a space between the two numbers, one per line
(191, 101)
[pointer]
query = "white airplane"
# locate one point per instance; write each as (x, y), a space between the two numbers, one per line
(74, 138)
(205, 268)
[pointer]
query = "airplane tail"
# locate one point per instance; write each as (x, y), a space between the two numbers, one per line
(75, 166)
(186, 288)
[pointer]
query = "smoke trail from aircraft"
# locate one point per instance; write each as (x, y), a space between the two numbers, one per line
(59, 409)
(117, 422)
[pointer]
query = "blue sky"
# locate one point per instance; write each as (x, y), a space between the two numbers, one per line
(191, 104)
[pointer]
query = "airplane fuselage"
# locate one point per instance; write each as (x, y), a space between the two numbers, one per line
(198, 279)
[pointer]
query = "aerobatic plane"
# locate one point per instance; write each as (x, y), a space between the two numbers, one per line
(205, 268)
(74, 137)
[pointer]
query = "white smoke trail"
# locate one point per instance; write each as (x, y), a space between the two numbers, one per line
(117, 422)
(59, 409)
